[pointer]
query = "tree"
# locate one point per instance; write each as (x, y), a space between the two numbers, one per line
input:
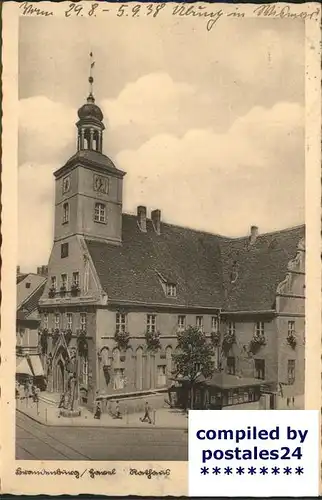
(194, 357)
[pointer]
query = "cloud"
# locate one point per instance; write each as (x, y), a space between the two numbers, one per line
(35, 214)
(151, 98)
(46, 130)
(246, 171)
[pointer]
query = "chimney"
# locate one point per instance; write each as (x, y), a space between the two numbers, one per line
(253, 234)
(141, 214)
(18, 269)
(156, 220)
(42, 271)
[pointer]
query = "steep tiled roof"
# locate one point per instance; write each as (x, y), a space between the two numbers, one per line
(32, 302)
(190, 258)
(258, 269)
(21, 277)
(199, 263)
(91, 158)
(27, 286)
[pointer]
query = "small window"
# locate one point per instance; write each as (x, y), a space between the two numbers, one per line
(53, 282)
(291, 371)
(76, 279)
(45, 321)
(64, 250)
(65, 213)
(100, 212)
(151, 321)
(199, 323)
(69, 321)
(171, 290)
(231, 328)
(214, 324)
(260, 369)
(28, 285)
(231, 365)
(64, 281)
(83, 321)
(291, 328)
(120, 322)
(181, 323)
(260, 328)
(57, 320)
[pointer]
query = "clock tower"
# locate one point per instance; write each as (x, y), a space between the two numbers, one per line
(88, 193)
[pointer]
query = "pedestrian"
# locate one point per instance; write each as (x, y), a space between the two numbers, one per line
(117, 410)
(62, 400)
(146, 413)
(98, 410)
(26, 390)
(36, 394)
(33, 393)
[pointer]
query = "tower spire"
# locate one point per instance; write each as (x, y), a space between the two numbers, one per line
(90, 78)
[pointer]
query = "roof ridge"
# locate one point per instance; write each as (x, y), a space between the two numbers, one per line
(230, 238)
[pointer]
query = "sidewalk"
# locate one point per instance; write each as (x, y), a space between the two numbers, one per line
(49, 415)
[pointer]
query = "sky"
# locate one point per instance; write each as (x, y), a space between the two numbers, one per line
(209, 126)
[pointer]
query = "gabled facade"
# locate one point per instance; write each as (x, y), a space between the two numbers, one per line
(124, 285)
(30, 288)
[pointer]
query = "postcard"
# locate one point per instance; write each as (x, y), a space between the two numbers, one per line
(161, 233)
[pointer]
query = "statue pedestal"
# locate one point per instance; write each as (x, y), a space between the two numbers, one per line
(70, 413)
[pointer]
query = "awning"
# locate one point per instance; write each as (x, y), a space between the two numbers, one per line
(37, 367)
(23, 367)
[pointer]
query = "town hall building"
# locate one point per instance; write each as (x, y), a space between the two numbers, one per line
(120, 287)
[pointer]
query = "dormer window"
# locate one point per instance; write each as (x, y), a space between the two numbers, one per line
(171, 290)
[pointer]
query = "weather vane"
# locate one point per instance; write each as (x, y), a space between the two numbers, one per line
(90, 78)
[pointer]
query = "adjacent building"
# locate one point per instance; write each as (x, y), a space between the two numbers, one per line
(121, 286)
(30, 287)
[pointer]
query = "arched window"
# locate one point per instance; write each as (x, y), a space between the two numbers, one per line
(95, 145)
(87, 139)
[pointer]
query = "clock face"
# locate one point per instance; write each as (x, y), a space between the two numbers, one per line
(66, 184)
(100, 184)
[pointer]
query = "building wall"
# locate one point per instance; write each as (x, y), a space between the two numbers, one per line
(78, 260)
(291, 308)
(245, 361)
(82, 198)
(141, 367)
(26, 335)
